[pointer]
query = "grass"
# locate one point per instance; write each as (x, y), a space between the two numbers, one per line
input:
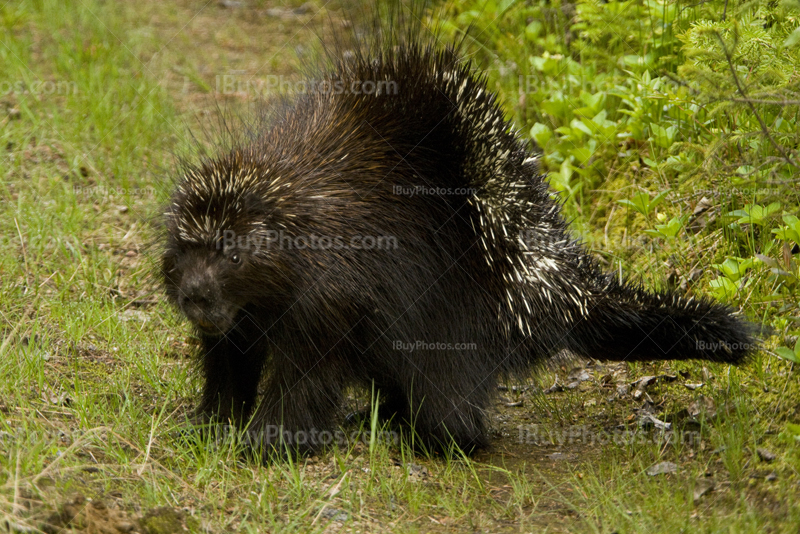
(96, 378)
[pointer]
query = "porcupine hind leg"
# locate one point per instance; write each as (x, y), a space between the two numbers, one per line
(443, 399)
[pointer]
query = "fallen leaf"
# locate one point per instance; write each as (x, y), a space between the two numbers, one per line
(701, 487)
(766, 455)
(662, 468)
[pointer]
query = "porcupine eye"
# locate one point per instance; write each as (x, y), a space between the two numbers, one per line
(235, 259)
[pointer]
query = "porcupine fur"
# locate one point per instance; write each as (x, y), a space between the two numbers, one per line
(481, 257)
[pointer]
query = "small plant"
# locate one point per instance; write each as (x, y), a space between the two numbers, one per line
(734, 268)
(791, 231)
(642, 203)
(793, 355)
(669, 230)
(754, 213)
(733, 278)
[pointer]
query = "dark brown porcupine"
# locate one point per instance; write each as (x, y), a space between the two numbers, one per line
(389, 228)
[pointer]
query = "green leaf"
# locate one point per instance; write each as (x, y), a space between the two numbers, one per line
(533, 30)
(541, 133)
(793, 38)
(592, 100)
(790, 232)
(669, 230)
(582, 154)
(649, 162)
(674, 226)
(579, 125)
(641, 202)
(792, 221)
(602, 126)
(663, 137)
(787, 234)
(734, 268)
(503, 6)
(723, 288)
(754, 213)
(548, 65)
(789, 354)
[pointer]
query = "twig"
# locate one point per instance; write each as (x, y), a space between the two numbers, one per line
(332, 492)
(763, 101)
(749, 102)
(692, 5)
(16, 508)
(24, 252)
(156, 421)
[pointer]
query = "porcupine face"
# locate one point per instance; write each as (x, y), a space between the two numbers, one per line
(201, 282)
(215, 262)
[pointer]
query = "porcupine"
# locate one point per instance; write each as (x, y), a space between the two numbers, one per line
(389, 228)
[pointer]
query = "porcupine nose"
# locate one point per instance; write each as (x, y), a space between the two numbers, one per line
(195, 300)
(195, 294)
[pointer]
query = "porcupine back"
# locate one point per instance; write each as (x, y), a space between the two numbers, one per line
(542, 291)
